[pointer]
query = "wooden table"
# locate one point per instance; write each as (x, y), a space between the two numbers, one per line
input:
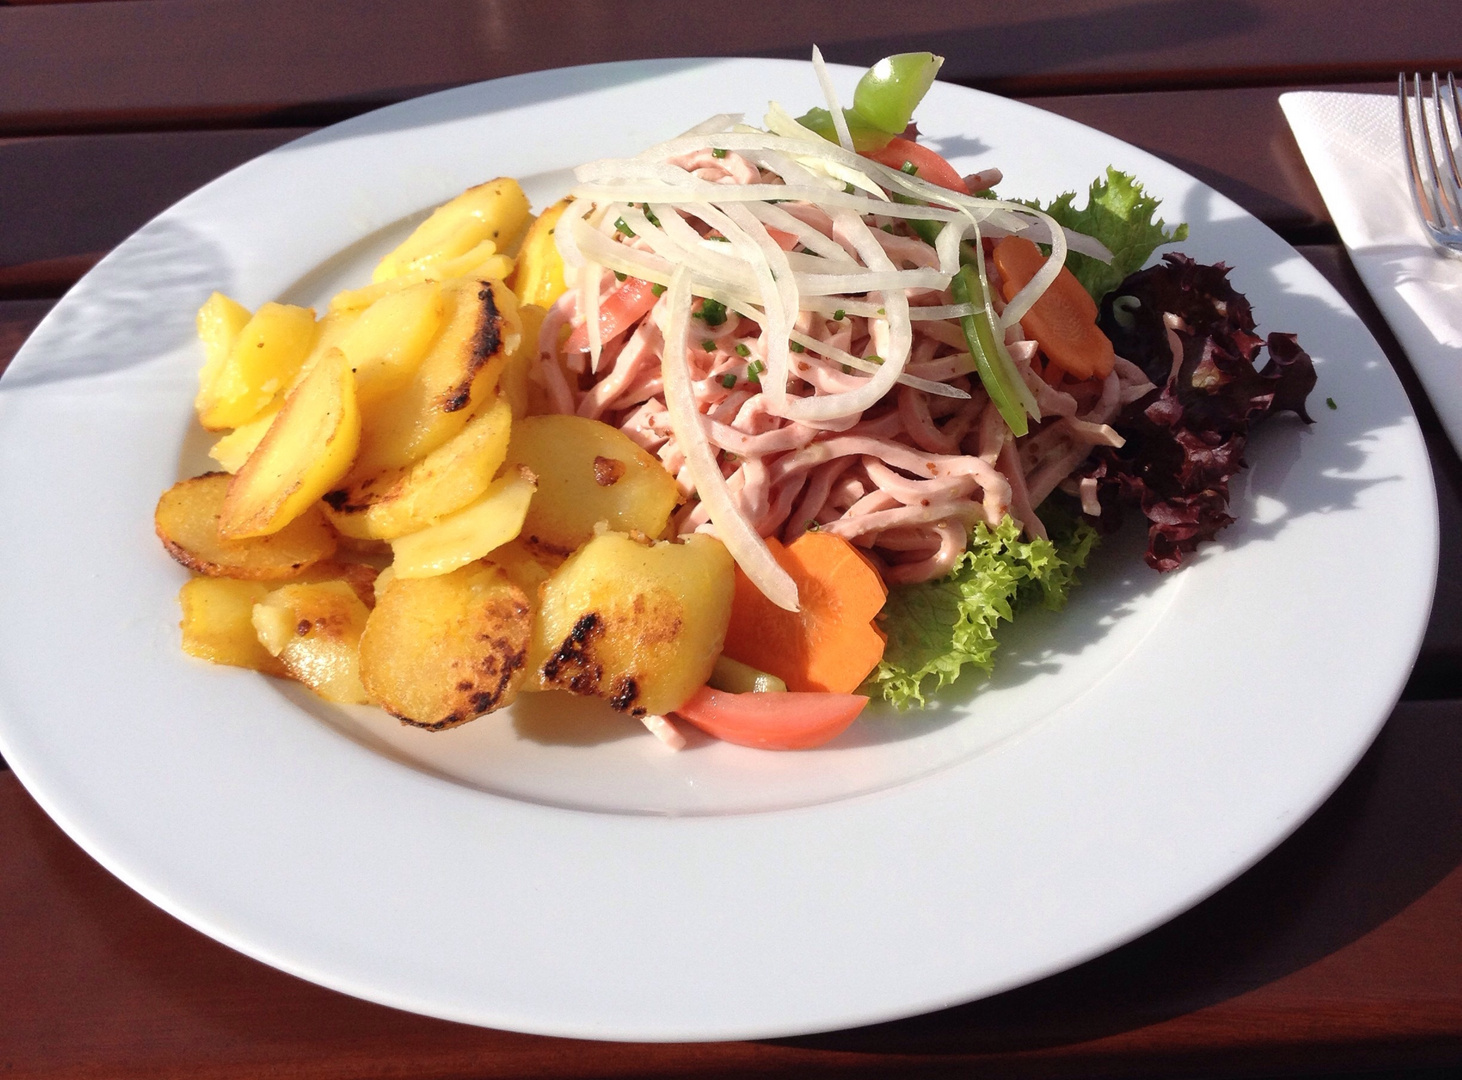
(1340, 952)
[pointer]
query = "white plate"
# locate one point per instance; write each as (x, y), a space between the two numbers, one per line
(560, 872)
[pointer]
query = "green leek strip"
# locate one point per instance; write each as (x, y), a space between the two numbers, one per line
(997, 371)
(737, 678)
(927, 230)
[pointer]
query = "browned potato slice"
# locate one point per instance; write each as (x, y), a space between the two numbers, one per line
(454, 380)
(220, 320)
(218, 623)
(187, 524)
(486, 218)
(233, 449)
(538, 278)
(470, 533)
(440, 651)
(307, 449)
(266, 356)
(314, 629)
(516, 383)
(361, 577)
(526, 568)
(637, 624)
(387, 340)
(392, 504)
(588, 472)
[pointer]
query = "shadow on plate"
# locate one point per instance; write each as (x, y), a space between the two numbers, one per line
(137, 304)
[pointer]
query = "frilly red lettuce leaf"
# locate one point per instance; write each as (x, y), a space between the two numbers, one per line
(1185, 439)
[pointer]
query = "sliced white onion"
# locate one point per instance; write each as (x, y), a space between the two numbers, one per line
(714, 125)
(824, 80)
(732, 528)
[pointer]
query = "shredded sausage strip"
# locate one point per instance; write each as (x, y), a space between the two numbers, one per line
(907, 473)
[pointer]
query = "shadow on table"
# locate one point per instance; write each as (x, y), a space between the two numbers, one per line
(1386, 837)
(1064, 42)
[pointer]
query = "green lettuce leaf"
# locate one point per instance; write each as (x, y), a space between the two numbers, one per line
(1119, 214)
(937, 628)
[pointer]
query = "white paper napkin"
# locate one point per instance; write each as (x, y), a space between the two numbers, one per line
(1352, 144)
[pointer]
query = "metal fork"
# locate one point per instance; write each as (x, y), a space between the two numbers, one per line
(1436, 192)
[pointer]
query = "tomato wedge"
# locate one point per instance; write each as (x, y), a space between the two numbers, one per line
(617, 312)
(772, 721)
(928, 165)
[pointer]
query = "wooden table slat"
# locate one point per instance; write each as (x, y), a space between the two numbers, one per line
(65, 200)
(151, 62)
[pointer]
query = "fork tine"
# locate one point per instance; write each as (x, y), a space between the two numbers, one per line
(1420, 194)
(1434, 189)
(1449, 181)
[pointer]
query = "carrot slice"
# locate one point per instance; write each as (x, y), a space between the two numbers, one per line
(1063, 320)
(831, 644)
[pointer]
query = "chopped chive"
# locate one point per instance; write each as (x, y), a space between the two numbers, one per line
(812, 526)
(619, 277)
(717, 152)
(874, 358)
(847, 370)
(712, 312)
(708, 345)
(754, 370)
(741, 349)
(650, 215)
(728, 380)
(1330, 401)
(887, 228)
(839, 315)
(621, 226)
(796, 346)
(657, 290)
(849, 189)
(910, 168)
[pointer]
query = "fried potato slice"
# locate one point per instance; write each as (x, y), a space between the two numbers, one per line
(538, 278)
(637, 624)
(456, 377)
(314, 629)
(516, 383)
(233, 449)
(220, 320)
(440, 651)
(491, 215)
(588, 472)
(361, 577)
(387, 341)
(307, 449)
(266, 355)
(525, 567)
(470, 533)
(392, 504)
(218, 623)
(186, 520)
